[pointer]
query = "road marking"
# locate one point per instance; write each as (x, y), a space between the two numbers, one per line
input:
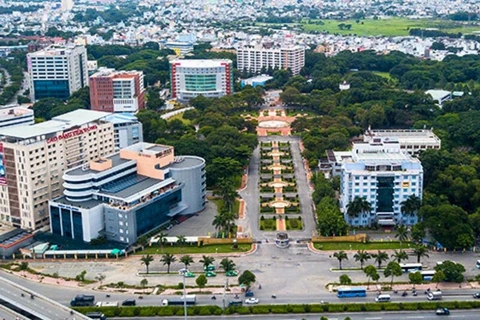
(419, 317)
(377, 318)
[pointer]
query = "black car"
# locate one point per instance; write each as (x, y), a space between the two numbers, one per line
(476, 295)
(129, 302)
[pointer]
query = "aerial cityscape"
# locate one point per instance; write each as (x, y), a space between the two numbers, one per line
(210, 159)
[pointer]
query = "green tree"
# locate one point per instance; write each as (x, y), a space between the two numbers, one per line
(380, 257)
(340, 256)
(227, 191)
(167, 259)
(144, 283)
(415, 278)
(399, 256)
(146, 260)
(330, 221)
(453, 271)
(402, 234)
(411, 205)
(357, 206)
(201, 281)
(206, 261)
(420, 252)
(371, 273)
(438, 277)
(418, 233)
(100, 277)
(345, 280)
(392, 269)
(227, 264)
(246, 278)
(362, 256)
(161, 236)
(181, 240)
(186, 260)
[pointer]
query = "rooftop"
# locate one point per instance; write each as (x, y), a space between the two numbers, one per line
(117, 118)
(138, 185)
(186, 162)
(404, 135)
(88, 204)
(11, 237)
(83, 170)
(54, 50)
(438, 94)
(57, 124)
(201, 63)
(260, 78)
(110, 72)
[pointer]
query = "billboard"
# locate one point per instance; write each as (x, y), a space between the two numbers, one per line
(3, 174)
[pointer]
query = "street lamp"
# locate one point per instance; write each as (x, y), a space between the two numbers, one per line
(224, 292)
(184, 295)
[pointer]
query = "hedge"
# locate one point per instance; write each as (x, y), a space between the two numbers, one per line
(169, 311)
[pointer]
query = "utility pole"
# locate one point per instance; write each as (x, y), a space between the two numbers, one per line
(224, 293)
(184, 296)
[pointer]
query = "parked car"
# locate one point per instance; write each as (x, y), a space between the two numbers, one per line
(210, 274)
(232, 273)
(442, 312)
(249, 293)
(251, 301)
(476, 295)
(210, 267)
(189, 274)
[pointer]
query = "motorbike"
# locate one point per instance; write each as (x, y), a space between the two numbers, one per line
(404, 294)
(274, 296)
(214, 298)
(108, 296)
(395, 291)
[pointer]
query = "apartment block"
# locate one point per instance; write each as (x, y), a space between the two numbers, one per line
(127, 129)
(57, 71)
(16, 115)
(117, 91)
(261, 56)
(411, 141)
(34, 158)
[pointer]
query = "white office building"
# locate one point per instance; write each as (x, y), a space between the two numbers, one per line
(411, 141)
(384, 175)
(15, 115)
(257, 57)
(210, 78)
(127, 129)
(57, 71)
(33, 159)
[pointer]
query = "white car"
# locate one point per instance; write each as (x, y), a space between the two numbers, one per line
(251, 301)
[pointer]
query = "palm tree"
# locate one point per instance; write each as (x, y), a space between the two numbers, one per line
(206, 260)
(146, 260)
(167, 259)
(411, 205)
(181, 240)
(420, 252)
(162, 236)
(226, 190)
(341, 255)
(227, 264)
(380, 257)
(224, 221)
(186, 260)
(362, 256)
(402, 234)
(357, 206)
(399, 256)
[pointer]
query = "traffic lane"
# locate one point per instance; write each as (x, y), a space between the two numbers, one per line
(7, 314)
(424, 315)
(37, 304)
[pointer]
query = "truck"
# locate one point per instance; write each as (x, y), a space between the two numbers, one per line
(107, 304)
(83, 300)
(179, 301)
(434, 295)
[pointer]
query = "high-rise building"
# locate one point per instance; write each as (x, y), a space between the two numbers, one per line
(384, 175)
(15, 115)
(128, 194)
(127, 129)
(117, 91)
(260, 57)
(33, 159)
(210, 78)
(57, 71)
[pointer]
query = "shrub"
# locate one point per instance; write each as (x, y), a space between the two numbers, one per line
(354, 307)
(409, 306)
(336, 308)
(279, 309)
(260, 309)
(180, 285)
(392, 307)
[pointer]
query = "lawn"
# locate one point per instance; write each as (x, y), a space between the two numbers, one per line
(385, 75)
(294, 224)
(219, 203)
(180, 117)
(361, 246)
(191, 249)
(268, 224)
(385, 27)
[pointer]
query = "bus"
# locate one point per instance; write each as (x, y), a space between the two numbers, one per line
(411, 267)
(427, 275)
(351, 292)
(190, 300)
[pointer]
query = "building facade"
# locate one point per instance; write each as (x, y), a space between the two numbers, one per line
(384, 175)
(127, 194)
(34, 159)
(210, 78)
(411, 141)
(117, 91)
(16, 115)
(127, 129)
(259, 57)
(57, 71)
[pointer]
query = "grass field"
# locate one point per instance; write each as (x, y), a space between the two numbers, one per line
(219, 203)
(386, 27)
(180, 117)
(361, 246)
(385, 75)
(191, 249)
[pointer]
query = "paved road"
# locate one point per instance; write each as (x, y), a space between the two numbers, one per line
(7, 314)
(427, 315)
(39, 306)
